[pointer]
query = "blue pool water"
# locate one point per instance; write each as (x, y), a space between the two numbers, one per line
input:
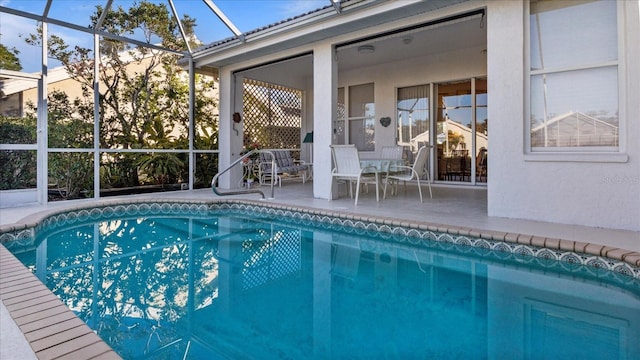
(239, 285)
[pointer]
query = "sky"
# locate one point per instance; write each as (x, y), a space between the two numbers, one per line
(246, 15)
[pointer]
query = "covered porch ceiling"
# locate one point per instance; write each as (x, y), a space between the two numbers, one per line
(450, 34)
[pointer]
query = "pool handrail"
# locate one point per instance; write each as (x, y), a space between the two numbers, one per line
(214, 181)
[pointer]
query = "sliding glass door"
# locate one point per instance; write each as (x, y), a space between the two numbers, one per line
(413, 117)
(454, 131)
(462, 131)
(481, 130)
(459, 134)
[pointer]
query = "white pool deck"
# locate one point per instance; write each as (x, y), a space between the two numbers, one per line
(451, 208)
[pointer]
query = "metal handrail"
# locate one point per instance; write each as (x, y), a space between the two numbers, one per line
(214, 181)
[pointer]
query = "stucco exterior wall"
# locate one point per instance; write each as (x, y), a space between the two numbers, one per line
(586, 190)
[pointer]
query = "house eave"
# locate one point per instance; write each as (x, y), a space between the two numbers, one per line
(316, 26)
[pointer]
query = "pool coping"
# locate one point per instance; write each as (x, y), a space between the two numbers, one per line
(53, 330)
(628, 256)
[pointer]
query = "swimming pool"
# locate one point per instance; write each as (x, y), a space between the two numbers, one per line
(160, 280)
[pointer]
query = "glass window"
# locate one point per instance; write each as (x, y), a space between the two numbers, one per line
(362, 117)
(413, 116)
(573, 75)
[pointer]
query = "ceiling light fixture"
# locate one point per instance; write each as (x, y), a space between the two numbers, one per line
(366, 49)
(407, 40)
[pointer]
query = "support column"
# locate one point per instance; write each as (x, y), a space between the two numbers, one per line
(96, 116)
(43, 124)
(325, 92)
(192, 122)
(230, 134)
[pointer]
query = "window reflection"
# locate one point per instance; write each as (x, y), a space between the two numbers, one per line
(454, 131)
(413, 117)
(574, 75)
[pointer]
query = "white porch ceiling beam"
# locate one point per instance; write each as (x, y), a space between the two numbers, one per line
(11, 74)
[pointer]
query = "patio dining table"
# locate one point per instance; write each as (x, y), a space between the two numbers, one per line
(381, 166)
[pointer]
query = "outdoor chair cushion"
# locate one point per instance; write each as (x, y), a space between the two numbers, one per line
(285, 163)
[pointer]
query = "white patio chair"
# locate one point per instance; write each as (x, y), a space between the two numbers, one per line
(391, 152)
(347, 168)
(410, 173)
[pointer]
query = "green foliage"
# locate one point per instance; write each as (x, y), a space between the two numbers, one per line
(143, 100)
(70, 126)
(17, 130)
(9, 59)
(163, 168)
(118, 170)
(17, 167)
(206, 169)
(206, 164)
(153, 20)
(70, 122)
(72, 173)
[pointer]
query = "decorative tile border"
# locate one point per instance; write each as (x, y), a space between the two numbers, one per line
(569, 260)
(21, 237)
(498, 245)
